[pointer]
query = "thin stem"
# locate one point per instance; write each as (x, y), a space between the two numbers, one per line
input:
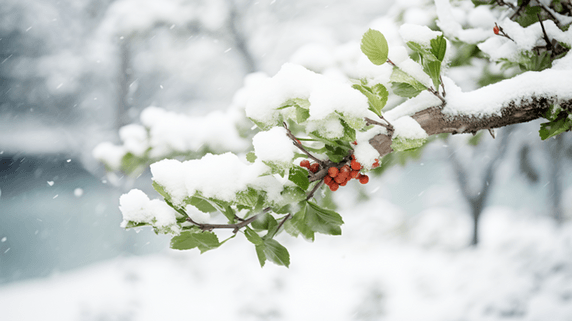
(283, 221)
(300, 146)
(438, 95)
(548, 44)
(311, 194)
(442, 86)
(235, 226)
(388, 126)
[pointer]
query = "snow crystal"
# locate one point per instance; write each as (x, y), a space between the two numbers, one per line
(164, 214)
(78, 192)
(419, 34)
(363, 151)
(407, 127)
(274, 146)
(169, 173)
(51, 183)
(330, 96)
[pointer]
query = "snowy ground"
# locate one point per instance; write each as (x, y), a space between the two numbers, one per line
(383, 268)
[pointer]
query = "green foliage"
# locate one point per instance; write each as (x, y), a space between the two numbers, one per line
(529, 16)
(272, 251)
(299, 176)
(377, 96)
(195, 238)
(559, 121)
(404, 85)
(402, 144)
(374, 46)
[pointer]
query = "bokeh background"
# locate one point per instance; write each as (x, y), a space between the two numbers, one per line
(73, 72)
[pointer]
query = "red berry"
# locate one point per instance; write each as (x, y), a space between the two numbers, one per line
(333, 171)
(363, 179)
(496, 30)
(339, 179)
(375, 164)
(305, 163)
(315, 167)
(334, 186)
(355, 142)
(345, 169)
(328, 180)
(344, 183)
(354, 174)
(355, 165)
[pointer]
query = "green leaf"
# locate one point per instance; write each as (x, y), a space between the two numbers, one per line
(401, 144)
(322, 220)
(161, 190)
(264, 222)
(335, 154)
(204, 241)
(299, 176)
(374, 46)
(554, 128)
(297, 225)
(132, 224)
(291, 194)
(376, 96)
(252, 236)
(248, 197)
(260, 254)
(439, 47)
(404, 90)
(202, 205)
(404, 85)
(424, 53)
(251, 157)
(276, 253)
(276, 168)
(302, 114)
(529, 16)
(433, 69)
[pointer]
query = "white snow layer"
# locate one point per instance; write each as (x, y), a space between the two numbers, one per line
(216, 176)
(419, 34)
(490, 99)
(394, 269)
(137, 207)
(274, 146)
(326, 96)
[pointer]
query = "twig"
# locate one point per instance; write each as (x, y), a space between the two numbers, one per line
(555, 19)
(283, 221)
(311, 194)
(548, 44)
(517, 12)
(388, 126)
(438, 95)
(508, 4)
(391, 62)
(300, 146)
(236, 226)
(502, 33)
(442, 86)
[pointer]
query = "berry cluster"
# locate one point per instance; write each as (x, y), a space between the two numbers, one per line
(314, 167)
(340, 176)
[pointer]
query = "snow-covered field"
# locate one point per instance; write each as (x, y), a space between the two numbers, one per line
(383, 267)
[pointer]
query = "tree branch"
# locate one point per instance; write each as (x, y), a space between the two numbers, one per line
(235, 227)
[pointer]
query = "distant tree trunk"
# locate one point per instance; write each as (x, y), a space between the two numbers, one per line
(123, 104)
(477, 198)
(555, 177)
(239, 39)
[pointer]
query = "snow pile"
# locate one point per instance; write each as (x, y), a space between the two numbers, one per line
(274, 146)
(137, 208)
(522, 271)
(328, 100)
